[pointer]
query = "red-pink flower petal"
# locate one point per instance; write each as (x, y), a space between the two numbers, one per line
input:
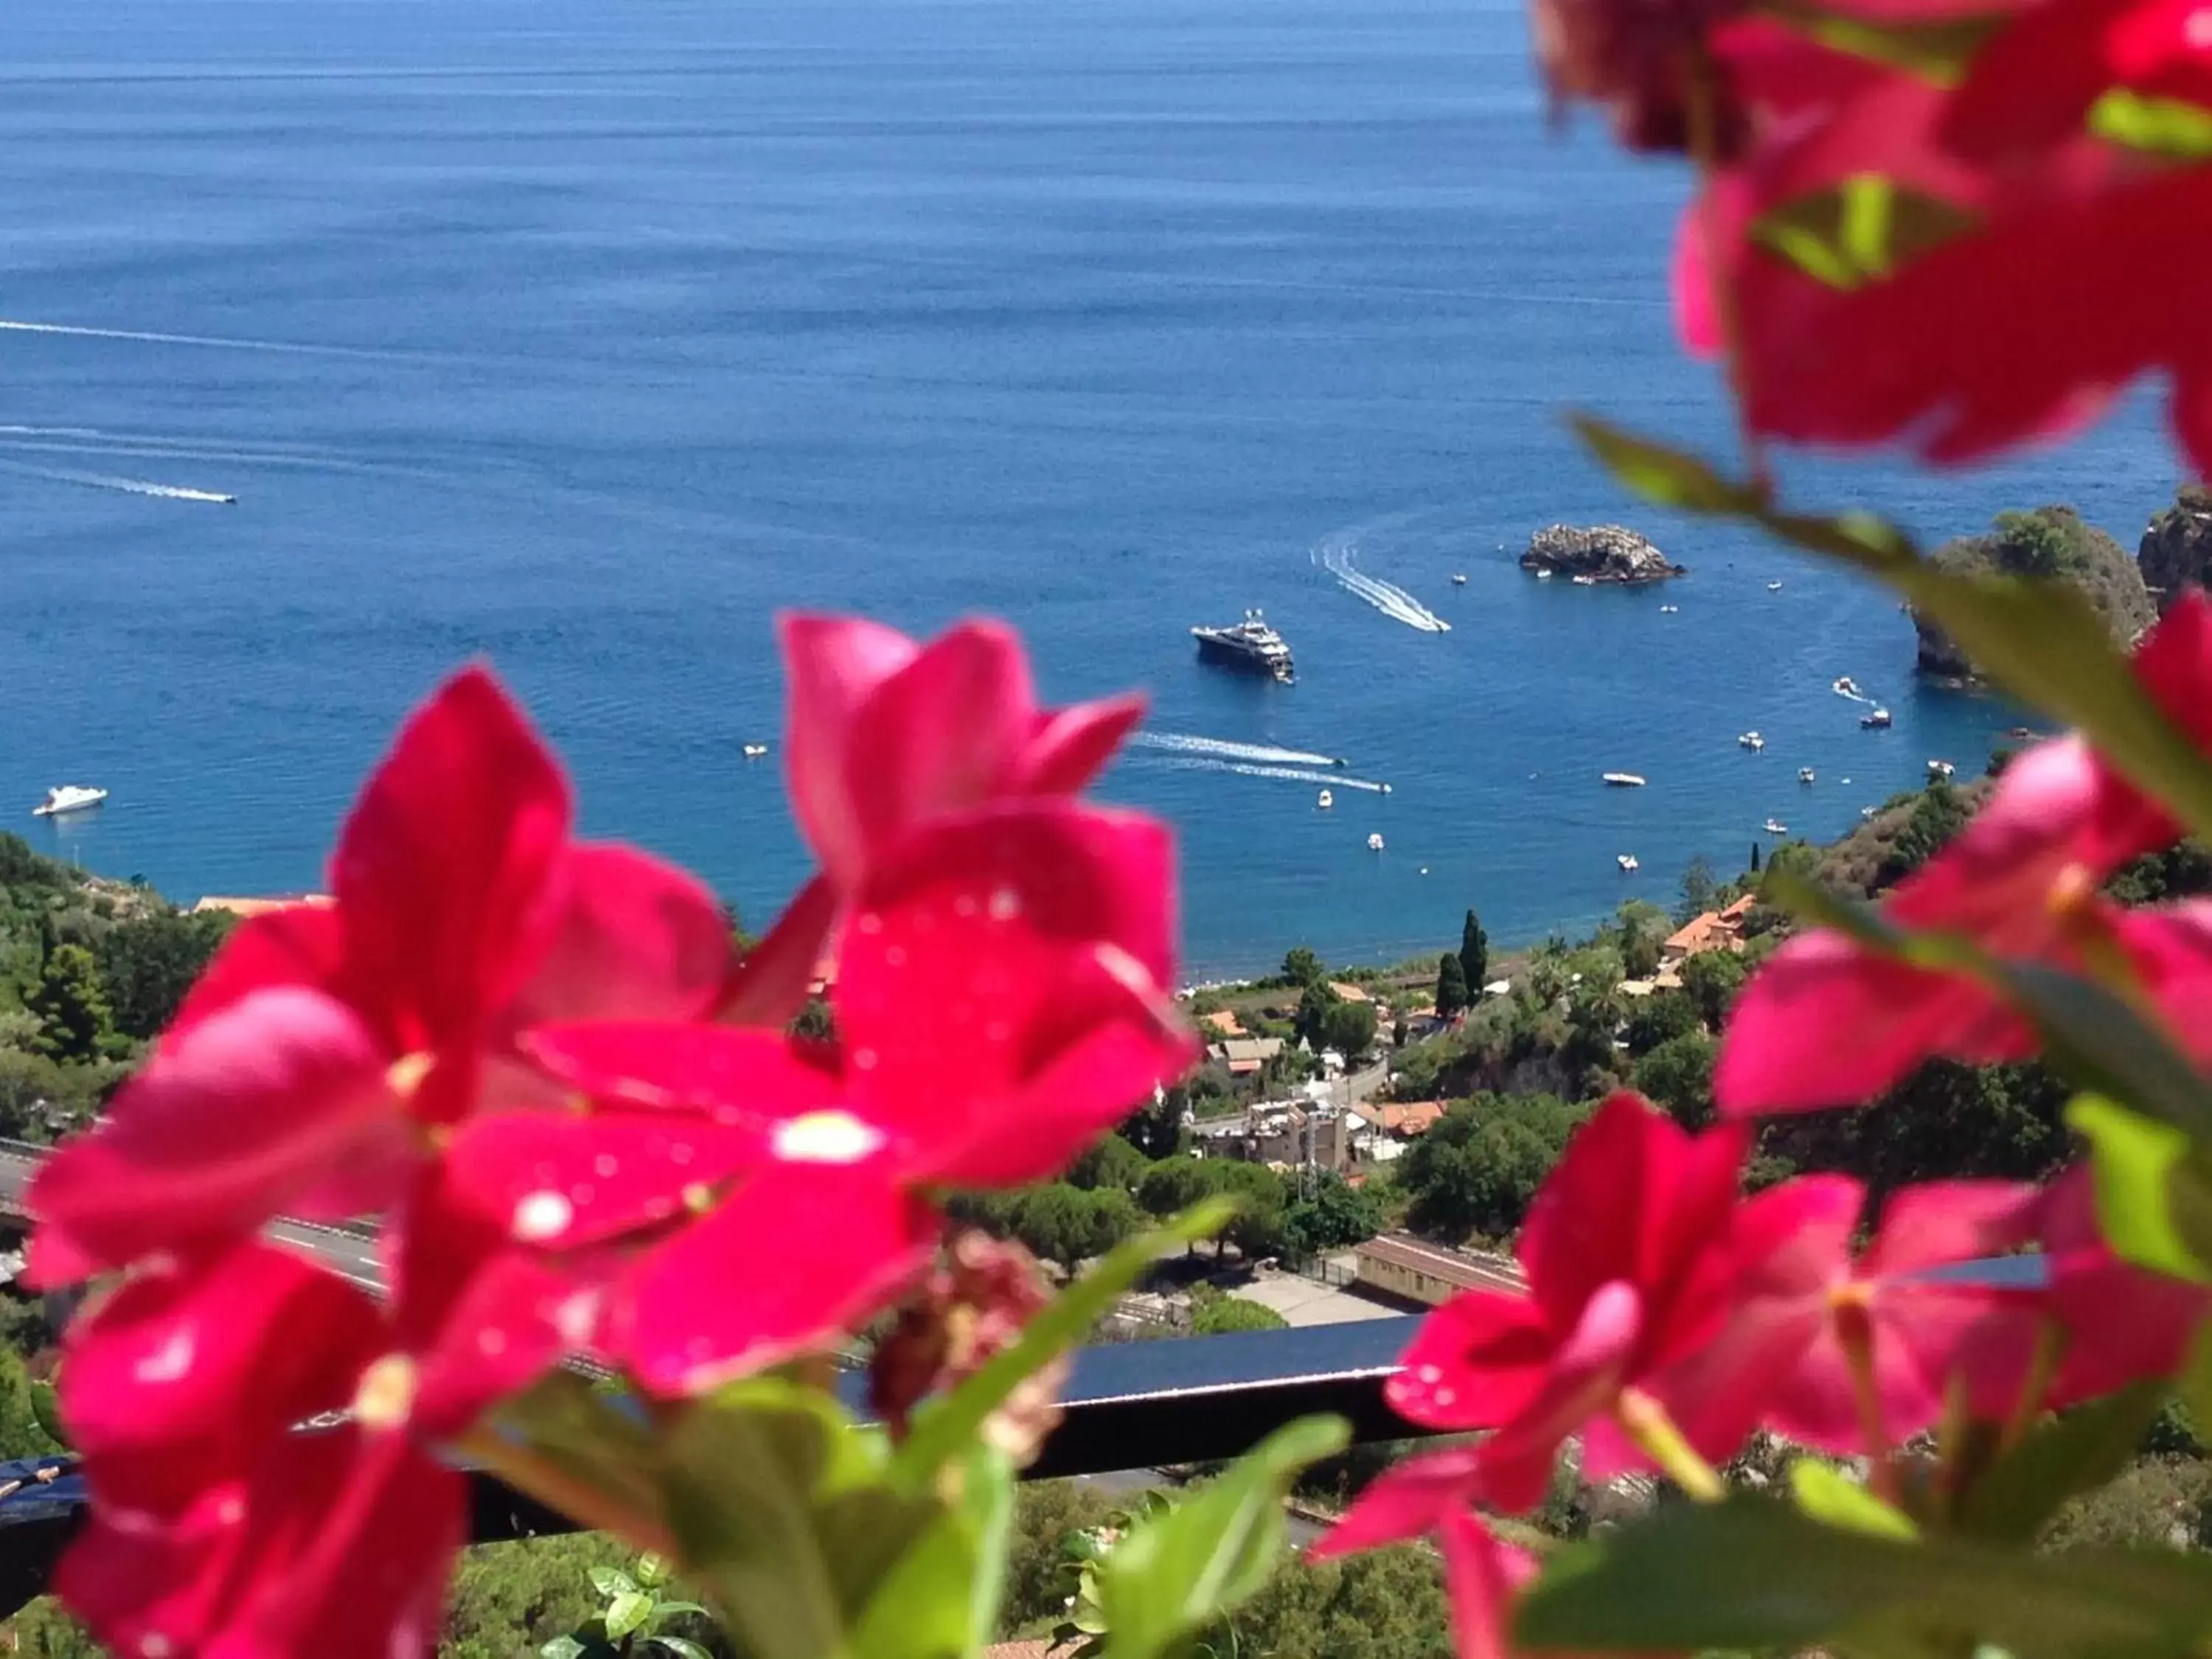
(1583, 1378)
(1475, 1363)
(698, 1309)
(1407, 1500)
(833, 664)
(1483, 1573)
(276, 1105)
(769, 986)
(442, 870)
(734, 1076)
(301, 946)
(338, 1546)
(2122, 1323)
(1069, 746)
(636, 939)
(182, 1377)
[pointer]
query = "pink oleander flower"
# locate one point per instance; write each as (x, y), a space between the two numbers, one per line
(1826, 1022)
(219, 1529)
(1628, 1252)
(1433, 1494)
(325, 1047)
(886, 736)
(1001, 1004)
(1845, 1352)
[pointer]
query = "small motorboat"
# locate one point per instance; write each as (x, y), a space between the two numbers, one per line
(1624, 780)
(1543, 576)
(1459, 579)
(67, 797)
(1386, 788)
(1868, 811)
(1325, 800)
(1751, 740)
(1874, 721)
(1804, 774)
(1846, 686)
(1626, 861)
(1773, 827)
(1585, 581)
(1668, 610)
(1940, 768)
(1374, 842)
(1774, 587)
(754, 750)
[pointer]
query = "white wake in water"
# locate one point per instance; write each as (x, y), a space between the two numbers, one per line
(1266, 754)
(1289, 773)
(223, 342)
(1336, 554)
(131, 486)
(1856, 697)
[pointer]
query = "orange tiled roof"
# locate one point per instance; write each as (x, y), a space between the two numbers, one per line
(1223, 1021)
(1402, 1117)
(1349, 993)
(261, 906)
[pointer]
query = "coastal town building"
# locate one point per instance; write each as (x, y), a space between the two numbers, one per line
(1403, 1120)
(1246, 1056)
(1715, 930)
(1221, 1023)
(242, 906)
(1289, 1134)
(1411, 1269)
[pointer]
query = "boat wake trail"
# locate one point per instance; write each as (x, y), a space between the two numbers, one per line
(1222, 748)
(1337, 554)
(228, 343)
(131, 486)
(1855, 696)
(1288, 773)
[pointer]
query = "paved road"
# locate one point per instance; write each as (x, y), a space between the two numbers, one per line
(345, 1250)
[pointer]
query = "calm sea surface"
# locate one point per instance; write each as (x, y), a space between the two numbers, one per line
(585, 334)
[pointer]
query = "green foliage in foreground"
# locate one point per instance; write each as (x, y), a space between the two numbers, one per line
(1477, 1168)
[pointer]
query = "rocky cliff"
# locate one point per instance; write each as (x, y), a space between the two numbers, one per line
(2050, 541)
(2176, 548)
(1605, 552)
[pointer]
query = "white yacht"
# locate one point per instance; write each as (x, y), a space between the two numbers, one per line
(1751, 740)
(1876, 720)
(1459, 579)
(1939, 768)
(67, 797)
(1250, 646)
(1624, 780)
(1374, 842)
(1804, 774)
(1774, 587)
(754, 750)
(1774, 828)
(1626, 860)
(1668, 610)
(1325, 800)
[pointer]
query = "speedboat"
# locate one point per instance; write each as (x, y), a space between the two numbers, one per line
(1668, 610)
(1774, 587)
(1624, 780)
(1846, 686)
(1544, 575)
(67, 797)
(1804, 774)
(1868, 811)
(754, 750)
(1585, 581)
(1325, 800)
(1874, 719)
(1459, 579)
(1626, 860)
(1751, 740)
(1940, 768)
(1774, 828)
(1374, 842)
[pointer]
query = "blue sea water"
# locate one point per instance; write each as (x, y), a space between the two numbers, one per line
(585, 334)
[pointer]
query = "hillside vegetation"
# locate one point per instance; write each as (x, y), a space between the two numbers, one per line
(2048, 540)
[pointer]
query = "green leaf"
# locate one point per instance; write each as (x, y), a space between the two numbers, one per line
(664, 1610)
(46, 1409)
(2058, 1459)
(2087, 1031)
(652, 1571)
(2163, 126)
(561, 1647)
(682, 1646)
(1859, 231)
(944, 1428)
(987, 1499)
(1669, 476)
(1176, 1572)
(2152, 1202)
(627, 1613)
(1829, 1495)
(589, 1438)
(1937, 52)
(1751, 1573)
(612, 1581)
(2195, 1384)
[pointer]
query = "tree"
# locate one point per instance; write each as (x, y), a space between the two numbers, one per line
(148, 962)
(1174, 1184)
(1301, 966)
(1936, 816)
(1314, 1004)
(1217, 1315)
(75, 1022)
(1112, 1163)
(1479, 1166)
(1642, 930)
(1754, 858)
(1678, 1075)
(1155, 1128)
(1473, 952)
(1066, 1225)
(1451, 986)
(1712, 978)
(1334, 1214)
(1348, 1028)
(1699, 889)
(1662, 1015)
